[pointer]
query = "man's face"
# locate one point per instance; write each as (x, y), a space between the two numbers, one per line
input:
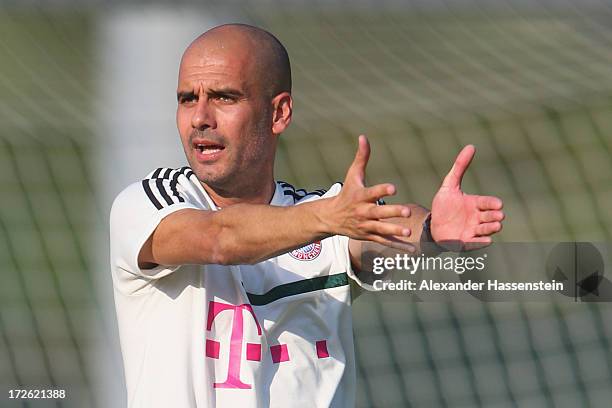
(223, 116)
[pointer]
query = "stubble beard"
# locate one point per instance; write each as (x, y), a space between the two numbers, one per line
(232, 178)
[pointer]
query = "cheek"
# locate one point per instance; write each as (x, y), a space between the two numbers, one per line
(235, 125)
(245, 127)
(184, 130)
(182, 121)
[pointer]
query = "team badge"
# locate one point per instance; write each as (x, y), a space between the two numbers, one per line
(308, 252)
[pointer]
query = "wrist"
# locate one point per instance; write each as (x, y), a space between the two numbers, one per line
(322, 217)
(427, 240)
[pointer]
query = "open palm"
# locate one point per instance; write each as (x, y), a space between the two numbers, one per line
(460, 220)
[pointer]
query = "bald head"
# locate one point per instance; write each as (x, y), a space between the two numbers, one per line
(267, 58)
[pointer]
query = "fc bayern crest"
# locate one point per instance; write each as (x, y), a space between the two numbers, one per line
(308, 252)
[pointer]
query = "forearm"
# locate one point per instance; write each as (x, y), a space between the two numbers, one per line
(240, 234)
(247, 234)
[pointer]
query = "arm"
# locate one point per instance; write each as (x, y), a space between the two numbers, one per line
(459, 221)
(247, 233)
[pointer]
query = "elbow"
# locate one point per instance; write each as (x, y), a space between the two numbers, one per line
(218, 253)
(215, 244)
(223, 246)
(227, 252)
(231, 256)
(221, 260)
(221, 257)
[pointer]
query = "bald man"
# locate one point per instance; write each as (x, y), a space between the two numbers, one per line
(231, 288)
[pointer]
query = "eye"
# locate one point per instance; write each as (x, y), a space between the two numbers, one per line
(225, 99)
(184, 99)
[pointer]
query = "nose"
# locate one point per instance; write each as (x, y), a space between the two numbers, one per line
(203, 116)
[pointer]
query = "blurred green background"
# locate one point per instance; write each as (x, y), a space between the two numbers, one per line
(529, 85)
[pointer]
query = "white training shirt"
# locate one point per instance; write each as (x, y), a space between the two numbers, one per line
(274, 334)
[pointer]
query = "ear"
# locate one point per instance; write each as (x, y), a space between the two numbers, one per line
(282, 109)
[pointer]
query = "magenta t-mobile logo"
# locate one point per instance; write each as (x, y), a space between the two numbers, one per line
(253, 351)
(278, 352)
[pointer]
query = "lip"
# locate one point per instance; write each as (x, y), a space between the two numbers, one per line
(210, 155)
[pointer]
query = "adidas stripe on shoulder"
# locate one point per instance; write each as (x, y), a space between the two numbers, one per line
(160, 186)
(298, 194)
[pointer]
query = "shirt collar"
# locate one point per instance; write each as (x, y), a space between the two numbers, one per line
(277, 197)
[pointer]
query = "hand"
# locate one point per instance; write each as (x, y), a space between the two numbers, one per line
(354, 210)
(463, 221)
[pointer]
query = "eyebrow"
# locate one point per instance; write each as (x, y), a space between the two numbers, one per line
(225, 92)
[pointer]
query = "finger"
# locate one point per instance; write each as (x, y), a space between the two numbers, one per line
(491, 216)
(358, 167)
(392, 242)
(374, 193)
(489, 203)
(389, 211)
(385, 228)
(455, 175)
(488, 228)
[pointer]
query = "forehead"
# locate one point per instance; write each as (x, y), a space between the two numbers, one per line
(216, 65)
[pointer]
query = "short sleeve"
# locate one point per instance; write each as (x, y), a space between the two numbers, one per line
(135, 214)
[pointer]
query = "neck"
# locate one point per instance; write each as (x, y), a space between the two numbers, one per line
(224, 198)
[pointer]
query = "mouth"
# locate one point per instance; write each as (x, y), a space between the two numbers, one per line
(207, 150)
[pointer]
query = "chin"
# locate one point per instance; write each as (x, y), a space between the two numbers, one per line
(211, 178)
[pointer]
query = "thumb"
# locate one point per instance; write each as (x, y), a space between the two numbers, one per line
(357, 169)
(455, 175)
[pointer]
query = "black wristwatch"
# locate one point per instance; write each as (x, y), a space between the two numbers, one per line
(428, 238)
